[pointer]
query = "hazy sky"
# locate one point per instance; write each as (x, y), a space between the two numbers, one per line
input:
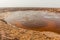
(29, 3)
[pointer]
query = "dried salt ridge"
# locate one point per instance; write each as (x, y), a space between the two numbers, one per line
(36, 19)
(4, 15)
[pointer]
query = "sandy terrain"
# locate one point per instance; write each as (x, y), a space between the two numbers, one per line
(9, 32)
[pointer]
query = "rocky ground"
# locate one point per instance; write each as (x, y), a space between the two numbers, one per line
(10, 32)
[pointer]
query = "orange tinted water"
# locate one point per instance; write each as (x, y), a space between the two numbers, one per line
(35, 21)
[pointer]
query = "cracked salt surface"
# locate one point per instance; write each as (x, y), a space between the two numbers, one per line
(31, 15)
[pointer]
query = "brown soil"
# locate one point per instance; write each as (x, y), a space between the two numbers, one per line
(10, 32)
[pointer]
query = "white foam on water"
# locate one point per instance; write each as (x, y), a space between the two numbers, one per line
(32, 17)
